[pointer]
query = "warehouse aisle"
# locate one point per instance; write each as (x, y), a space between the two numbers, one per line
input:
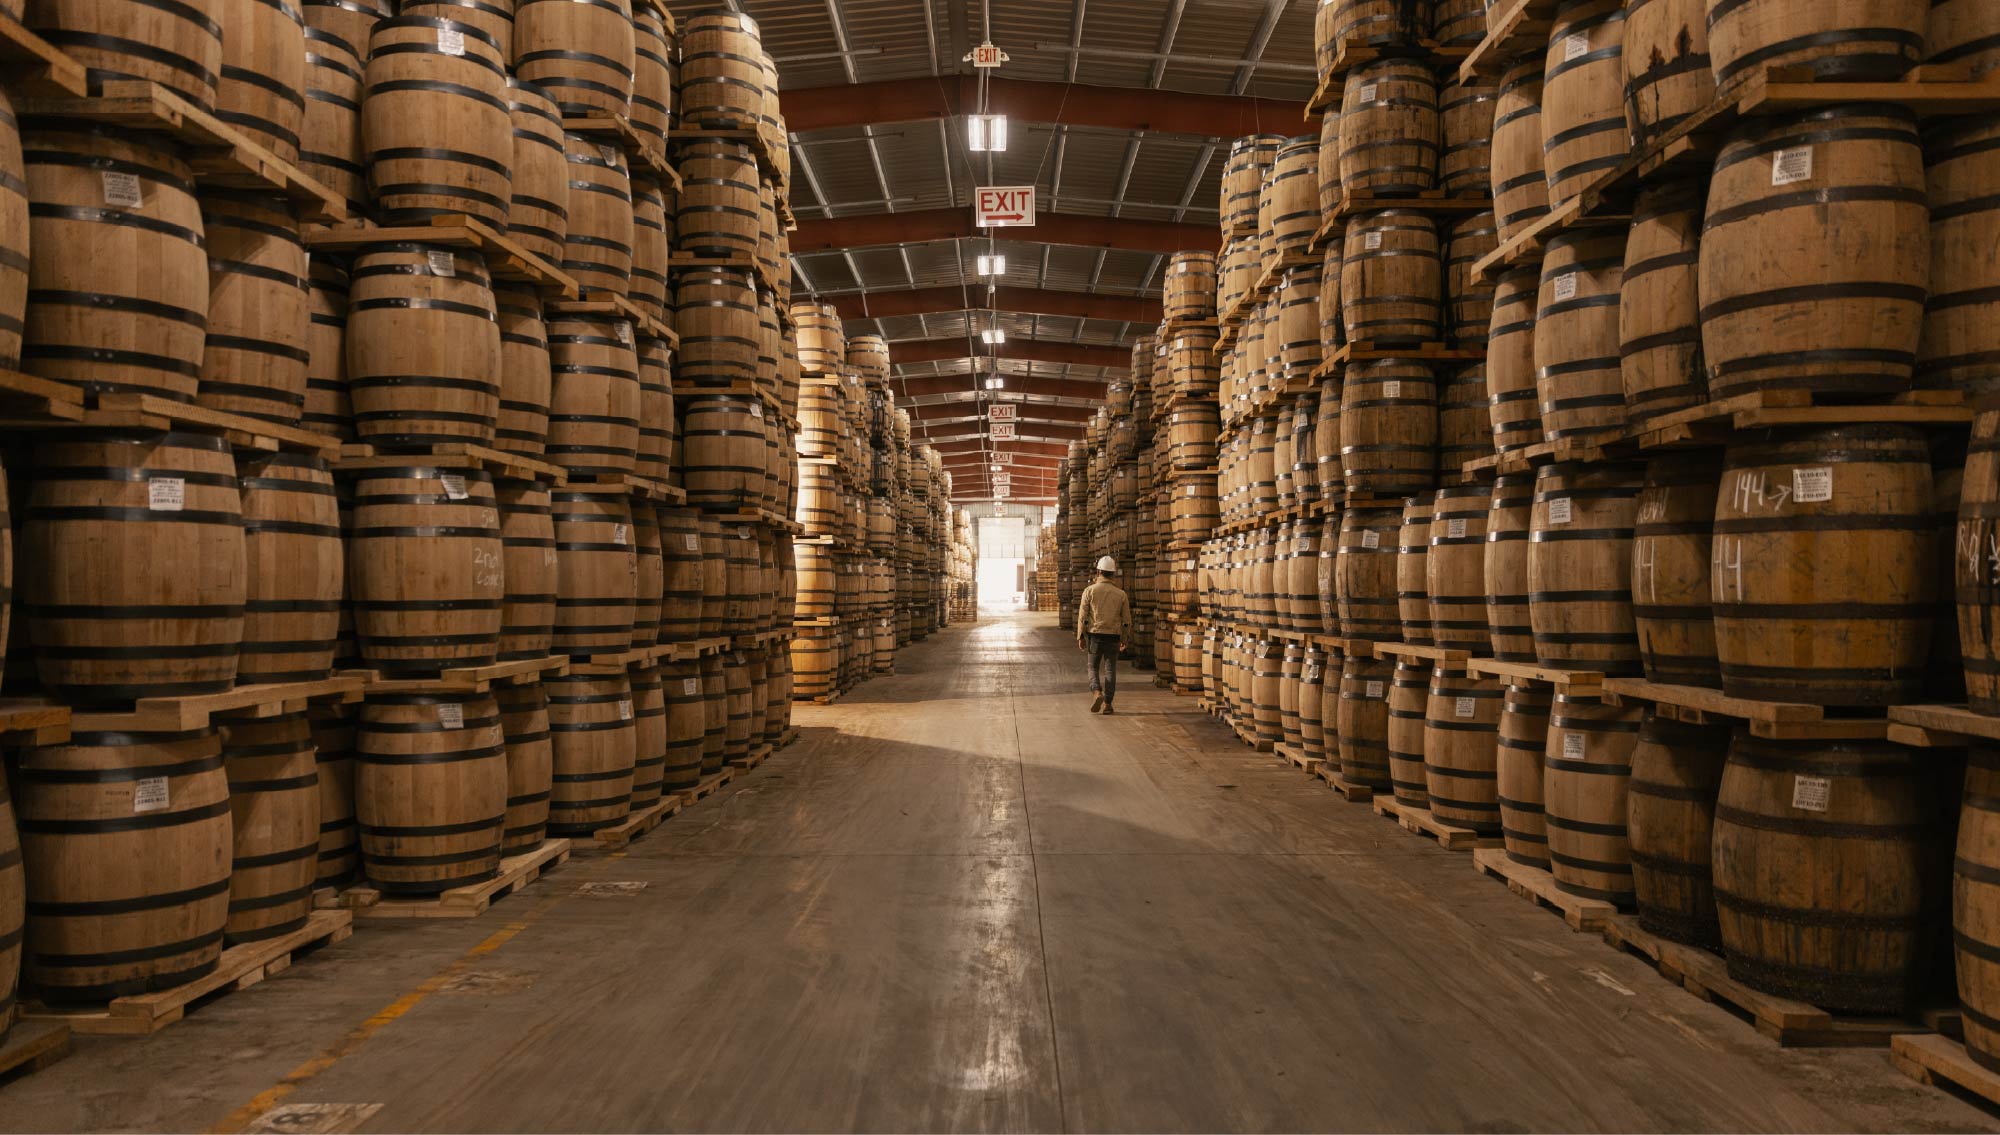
(963, 903)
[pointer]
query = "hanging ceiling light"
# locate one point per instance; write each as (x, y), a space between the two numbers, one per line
(996, 384)
(993, 336)
(992, 265)
(986, 133)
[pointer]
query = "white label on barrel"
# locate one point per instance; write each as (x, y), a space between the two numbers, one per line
(692, 541)
(1573, 746)
(1565, 287)
(690, 686)
(451, 41)
(1454, 528)
(1392, 388)
(1190, 490)
(618, 534)
(743, 533)
(454, 485)
(1372, 690)
(1372, 240)
(1576, 46)
(150, 794)
(610, 154)
(451, 716)
(442, 264)
(1463, 707)
(1305, 544)
(122, 191)
(1809, 793)
(757, 410)
(623, 330)
(1371, 539)
(1366, 93)
(1812, 485)
(1792, 165)
(166, 494)
(624, 709)
(1559, 511)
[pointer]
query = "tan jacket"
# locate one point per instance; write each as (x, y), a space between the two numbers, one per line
(1103, 610)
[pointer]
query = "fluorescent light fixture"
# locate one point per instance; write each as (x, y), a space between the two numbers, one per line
(996, 468)
(986, 132)
(996, 384)
(992, 265)
(992, 336)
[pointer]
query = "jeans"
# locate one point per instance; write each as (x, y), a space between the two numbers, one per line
(1103, 650)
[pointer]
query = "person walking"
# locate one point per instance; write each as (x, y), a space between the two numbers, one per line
(1103, 619)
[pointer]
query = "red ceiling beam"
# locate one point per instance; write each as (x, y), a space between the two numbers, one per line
(1037, 429)
(963, 383)
(976, 445)
(1024, 350)
(1026, 301)
(837, 234)
(1029, 411)
(1068, 104)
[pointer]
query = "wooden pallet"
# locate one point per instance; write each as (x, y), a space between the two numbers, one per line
(708, 786)
(1354, 793)
(1931, 1058)
(195, 711)
(155, 413)
(1575, 683)
(785, 739)
(27, 399)
(1359, 51)
(645, 152)
(1298, 758)
(757, 757)
(620, 835)
(1539, 887)
(30, 1046)
(28, 722)
(1451, 837)
(507, 258)
(469, 901)
(464, 679)
(1717, 423)
(1941, 726)
(605, 305)
(240, 967)
(35, 67)
(1451, 658)
(361, 456)
(1776, 721)
(1793, 1024)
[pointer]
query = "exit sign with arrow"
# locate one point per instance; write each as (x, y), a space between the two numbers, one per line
(1006, 206)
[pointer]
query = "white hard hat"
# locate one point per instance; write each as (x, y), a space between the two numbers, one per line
(1107, 564)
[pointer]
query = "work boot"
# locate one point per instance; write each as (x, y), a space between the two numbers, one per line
(1097, 703)
(1107, 707)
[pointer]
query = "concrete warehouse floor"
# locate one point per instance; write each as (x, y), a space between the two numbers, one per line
(960, 902)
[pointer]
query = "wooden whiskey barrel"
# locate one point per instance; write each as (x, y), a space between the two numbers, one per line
(1825, 566)
(330, 150)
(736, 703)
(263, 75)
(1580, 567)
(423, 346)
(15, 223)
(1312, 702)
(1823, 867)
(715, 314)
(1676, 774)
(1667, 73)
(685, 724)
(1965, 32)
(714, 577)
(426, 574)
(109, 629)
(1518, 757)
(178, 47)
(597, 245)
(581, 54)
(1520, 178)
(596, 570)
(649, 580)
(1392, 279)
(429, 81)
(717, 214)
(295, 568)
(538, 199)
(1659, 311)
(1579, 375)
(274, 824)
(494, 17)
(526, 380)
(1362, 722)
(1365, 571)
(594, 750)
(1847, 182)
(653, 74)
(1468, 304)
(117, 295)
(720, 80)
(1976, 582)
(339, 858)
(255, 358)
(524, 725)
(1672, 549)
(722, 446)
(1455, 568)
(1509, 520)
(1190, 286)
(657, 425)
(1390, 133)
(1388, 427)
(1465, 429)
(594, 399)
(125, 842)
(1461, 737)
(1960, 347)
(1585, 773)
(681, 595)
(351, 21)
(1466, 110)
(1513, 404)
(430, 791)
(649, 736)
(1408, 697)
(528, 560)
(1583, 96)
(1975, 875)
(328, 410)
(652, 241)
(1841, 39)
(1413, 545)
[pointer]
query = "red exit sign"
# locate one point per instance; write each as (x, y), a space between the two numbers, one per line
(1006, 206)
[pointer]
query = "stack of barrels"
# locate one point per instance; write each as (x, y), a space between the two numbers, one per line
(415, 559)
(961, 569)
(875, 546)
(1183, 375)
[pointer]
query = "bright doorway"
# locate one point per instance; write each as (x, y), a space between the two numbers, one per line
(1003, 559)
